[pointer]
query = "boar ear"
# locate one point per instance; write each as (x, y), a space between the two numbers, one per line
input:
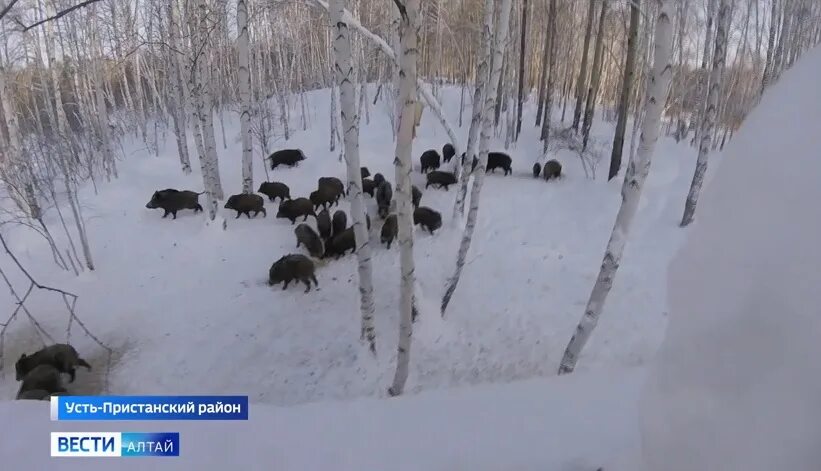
(23, 356)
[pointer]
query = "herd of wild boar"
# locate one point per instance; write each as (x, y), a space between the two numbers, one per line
(333, 237)
(41, 371)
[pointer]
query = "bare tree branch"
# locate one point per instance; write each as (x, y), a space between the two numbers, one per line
(58, 15)
(6, 9)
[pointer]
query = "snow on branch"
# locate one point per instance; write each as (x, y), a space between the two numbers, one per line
(432, 102)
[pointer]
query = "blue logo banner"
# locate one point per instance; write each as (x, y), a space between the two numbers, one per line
(150, 444)
(149, 408)
(114, 444)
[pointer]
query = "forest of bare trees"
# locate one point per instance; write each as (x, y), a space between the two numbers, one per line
(78, 77)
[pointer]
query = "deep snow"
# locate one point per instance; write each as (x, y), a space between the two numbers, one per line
(186, 308)
(573, 423)
(736, 383)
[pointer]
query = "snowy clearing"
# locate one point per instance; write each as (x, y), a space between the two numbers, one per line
(187, 310)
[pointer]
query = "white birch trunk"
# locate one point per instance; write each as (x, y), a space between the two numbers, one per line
(194, 67)
(24, 197)
(51, 52)
(430, 100)
(490, 96)
(334, 114)
(140, 99)
(768, 64)
(409, 33)
(200, 100)
(476, 111)
(244, 77)
(395, 79)
(350, 124)
(10, 114)
(694, 123)
(551, 77)
(595, 78)
(710, 114)
(580, 82)
(177, 95)
(102, 112)
(636, 174)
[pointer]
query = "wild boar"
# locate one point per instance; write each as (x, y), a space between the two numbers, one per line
(171, 201)
(429, 160)
(324, 196)
(341, 243)
(448, 151)
(416, 196)
(552, 169)
(289, 157)
(293, 267)
(60, 355)
(384, 195)
(499, 160)
(292, 209)
(389, 230)
(43, 377)
(340, 222)
(368, 186)
(274, 190)
(323, 224)
(443, 179)
(333, 183)
(306, 236)
(428, 218)
(245, 203)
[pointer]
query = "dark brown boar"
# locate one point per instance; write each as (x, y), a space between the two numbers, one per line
(244, 203)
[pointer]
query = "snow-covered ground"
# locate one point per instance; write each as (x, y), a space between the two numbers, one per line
(187, 310)
(735, 386)
(573, 423)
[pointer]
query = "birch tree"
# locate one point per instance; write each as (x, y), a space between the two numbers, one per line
(430, 100)
(24, 197)
(500, 37)
(582, 80)
(595, 77)
(709, 122)
(244, 76)
(482, 67)
(350, 125)
(409, 33)
(705, 60)
(177, 95)
(550, 44)
(627, 82)
(202, 109)
(522, 59)
(634, 178)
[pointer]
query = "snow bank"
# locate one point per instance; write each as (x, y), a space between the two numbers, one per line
(737, 382)
(571, 423)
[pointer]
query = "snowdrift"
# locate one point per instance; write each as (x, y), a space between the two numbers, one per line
(571, 423)
(736, 384)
